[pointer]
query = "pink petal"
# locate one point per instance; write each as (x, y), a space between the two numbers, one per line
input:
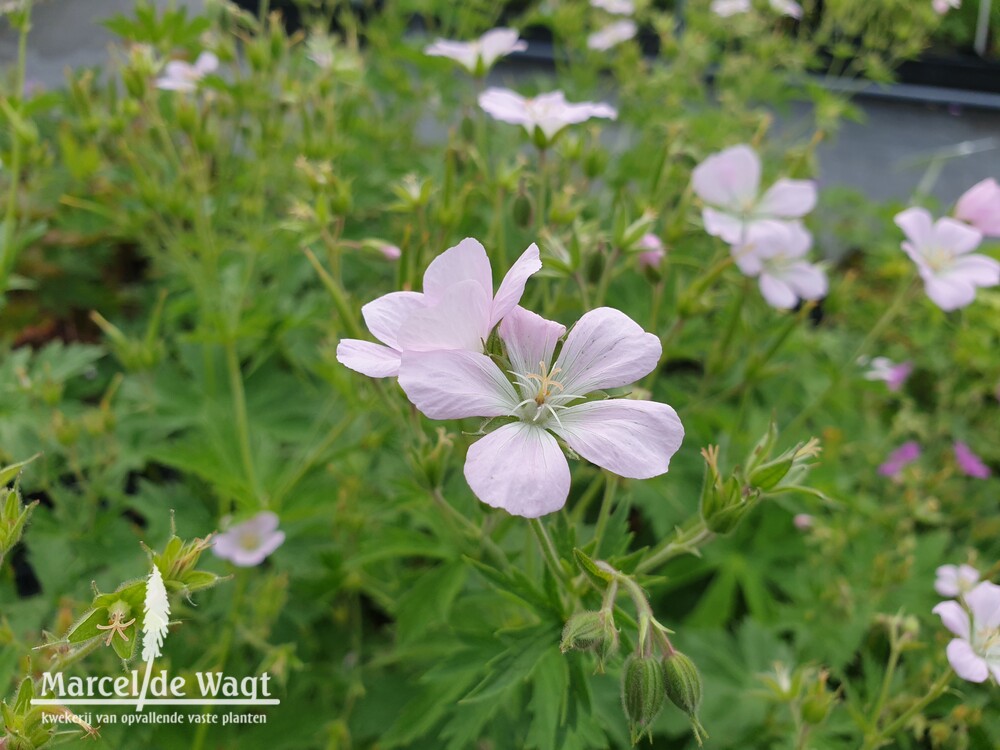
(777, 292)
(956, 236)
(980, 206)
(263, 523)
(898, 375)
(497, 43)
(384, 316)
(949, 293)
(727, 227)
(466, 260)
(206, 63)
(788, 199)
(530, 339)
(464, 53)
(458, 320)
(606, 349)
(519, 468)
(512, 287)
(505, 105)
(970, 464)
(954, 617)
(807, 281)
(456, 385)
(966, 663)
(373, 360)
(634, 439)
(978, 270)
(947, 581)
(984, 603)
(917, 225)
(729, 179)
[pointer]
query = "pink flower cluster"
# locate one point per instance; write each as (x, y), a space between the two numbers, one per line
(973, 616)
(764, 231)
(542, 385)
(968, 462)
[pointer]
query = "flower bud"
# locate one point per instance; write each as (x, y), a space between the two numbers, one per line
(591, 631)
(14, 515)
(643, 691)
(684, 688)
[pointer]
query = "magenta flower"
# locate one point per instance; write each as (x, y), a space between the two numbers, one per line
(179, 75)
(774, 253)
(955, 580)
(970, 464)
(652, 251)
(892, 374)
(478, 56)
(519, 466)
(729, 183)
(905, 454)
(543, 116)
(457, 310)
(975, 654)
(612, 35)
(247, 544)
(980, 207)
(942, 251)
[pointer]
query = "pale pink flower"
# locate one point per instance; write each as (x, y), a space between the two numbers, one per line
(247, 544)
(787, 7)
(975, 654)
(803, 521)
(905, 454)
(457, 310)
(478, 56)
(729, 183)
(612, 35)
(892, 374)
(942, 251)
(955, 580)
(390, 252)
(774, 253)
(943, 6)
(179, 75)
(519, 466)
(652, 250)
(980, 207)
(970, 464)
(615, 7)
(543, 116)
(727, 8)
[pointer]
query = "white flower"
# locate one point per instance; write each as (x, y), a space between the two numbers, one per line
(943, 6)
(183, 76)
(955, 580)
(975, 654)
(543, 116)
(727, 8)
(478, 56)
(156, 616)
(611, 35)
(615, 7)
(774, 252)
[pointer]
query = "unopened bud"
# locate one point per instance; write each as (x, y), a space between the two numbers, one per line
(684, 688)
(643, 691)
(591, 631)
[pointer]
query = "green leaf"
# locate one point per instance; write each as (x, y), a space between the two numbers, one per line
(86, 628)
(7, 473)
(429, 600)
(597, 576)
(515, 664)
(125, 649)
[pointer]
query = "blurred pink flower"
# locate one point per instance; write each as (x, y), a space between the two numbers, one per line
(802, 521)
(774, 253)
(975, 654)
(955, 580)
(894, 375)
(390, 252)
(612, 35)
(478, 56)
(905, 454)
(980, 207)
(942, 251)
(943, 6)
(457, 310)
(545, 114)
(726, 8)
(729, 183)
(519, 466)
(652, 251)
(970, 464)
(247, 544)
(179, 75)
(615, 7)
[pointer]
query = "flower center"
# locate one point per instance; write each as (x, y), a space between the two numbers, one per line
(938, 259)
(987, 642)
(546, 382)
(543, 395)
(249, 541)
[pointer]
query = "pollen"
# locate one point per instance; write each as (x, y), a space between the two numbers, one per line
(546, 382)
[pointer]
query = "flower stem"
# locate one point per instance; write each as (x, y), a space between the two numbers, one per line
(877, 738)
(610, 487)
(685, 542)
(242, 420)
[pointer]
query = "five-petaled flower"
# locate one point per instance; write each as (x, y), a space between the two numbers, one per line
(519, 466)
(774, 253)
(975, 653)
(942, 250)
(955, 580)
(479, 56)
(179, 75)
(457, 310)
(729, 184)
(543, 116)
(247, 544)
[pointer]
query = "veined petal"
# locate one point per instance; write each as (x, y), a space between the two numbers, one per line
(519, 468)
(466, 260)
(373, 360)
(984, 603)
(954, 617)
(788, 199)
(606, 349)
(455, 385)
(512, 287)
(458, 320)
(729, 179)
(967, 663)
(633, 439)
(956, 236)
(530, 339)
(385, 315)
